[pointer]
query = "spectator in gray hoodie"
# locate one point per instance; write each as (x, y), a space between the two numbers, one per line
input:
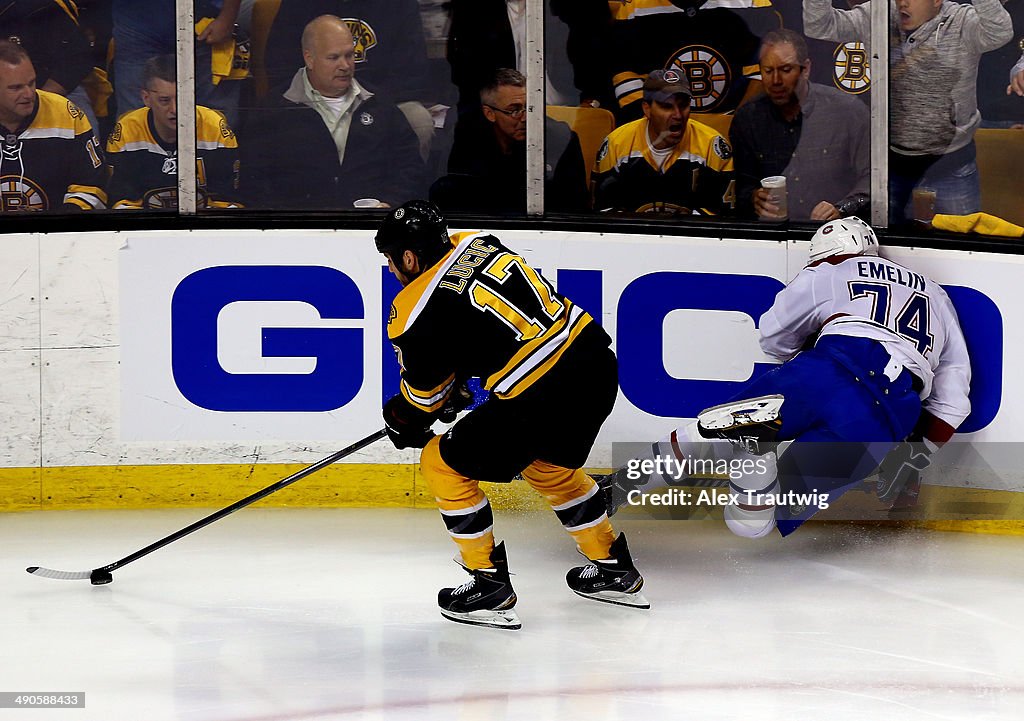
(934, 50)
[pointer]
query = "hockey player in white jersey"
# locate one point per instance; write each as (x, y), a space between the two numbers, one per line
(872, 354)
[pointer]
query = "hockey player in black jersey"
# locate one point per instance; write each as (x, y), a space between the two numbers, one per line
(470, 307)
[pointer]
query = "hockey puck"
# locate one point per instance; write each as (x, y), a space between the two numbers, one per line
(99, 577)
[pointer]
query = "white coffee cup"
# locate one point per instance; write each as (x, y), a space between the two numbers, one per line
(368, 203)
(776, 187)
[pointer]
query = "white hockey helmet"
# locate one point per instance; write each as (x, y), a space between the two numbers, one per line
(846, 236)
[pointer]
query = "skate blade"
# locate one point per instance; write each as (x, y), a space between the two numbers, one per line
(494, 619)
(753, 411)
(633, 600)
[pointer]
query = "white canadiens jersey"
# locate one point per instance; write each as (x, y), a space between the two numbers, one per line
(871, 297)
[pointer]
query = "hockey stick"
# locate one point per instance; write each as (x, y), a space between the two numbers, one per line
(100, 576)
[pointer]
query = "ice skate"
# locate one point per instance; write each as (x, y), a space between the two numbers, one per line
(487, 599)
(752, 423)
(611, 580)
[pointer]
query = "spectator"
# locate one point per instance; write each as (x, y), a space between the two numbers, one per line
(935, 47)
(50, 158)
(715, 46)
(816, 136)
(487, 167)
(665, 162)
(142, 151)
(390, 52)
(1016, 85)
(61, 54)
(146, 28)
(1001, 106)
(329, 141)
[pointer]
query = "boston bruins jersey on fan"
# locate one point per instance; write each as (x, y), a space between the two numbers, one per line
(716, 46)
(696, 177)
(482, 312)
(144, 169)
(52, 161)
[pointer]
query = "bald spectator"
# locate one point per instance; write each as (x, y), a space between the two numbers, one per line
(328, 141)
(50, 158)
(390, 53)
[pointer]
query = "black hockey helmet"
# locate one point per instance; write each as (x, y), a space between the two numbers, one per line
(417, 226)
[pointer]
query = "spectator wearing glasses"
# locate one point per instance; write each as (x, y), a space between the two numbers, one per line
(142, 150)
(665, 163)
(816, 136)
(487, 165)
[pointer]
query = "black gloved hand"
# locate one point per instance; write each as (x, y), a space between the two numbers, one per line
(902, 468)
(406, 426)
(460, 399)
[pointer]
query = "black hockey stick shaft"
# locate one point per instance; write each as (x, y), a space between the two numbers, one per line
(248, 500)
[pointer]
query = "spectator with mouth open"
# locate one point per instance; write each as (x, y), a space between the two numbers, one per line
(665, 162)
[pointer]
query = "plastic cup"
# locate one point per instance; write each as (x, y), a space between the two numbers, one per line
(368, 203)
(776, 187)
(923, 204)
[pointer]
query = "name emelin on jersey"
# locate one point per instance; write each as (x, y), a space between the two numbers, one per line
(883, 271)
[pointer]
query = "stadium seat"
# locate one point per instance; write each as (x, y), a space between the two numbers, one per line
(591, 124)
(718, 121)
(1000, 160)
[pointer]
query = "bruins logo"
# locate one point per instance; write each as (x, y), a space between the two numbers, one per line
(74, 111)
(603, 152)
(660, 207)
(21, 194)
(391, 316)
(851, 69)
(116, 134)
(363, 36)
(708, 73)
(721, 147)
(226, 131)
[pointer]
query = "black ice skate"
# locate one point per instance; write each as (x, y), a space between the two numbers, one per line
(487, 599)
(612, 580)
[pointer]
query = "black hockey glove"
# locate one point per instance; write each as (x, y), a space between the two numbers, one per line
(902, 468)
(460, 399)
(406, 426)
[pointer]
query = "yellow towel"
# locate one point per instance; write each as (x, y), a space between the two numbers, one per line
(230, 58)
(978, 223)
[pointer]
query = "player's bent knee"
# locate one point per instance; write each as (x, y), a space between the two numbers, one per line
(443, 480)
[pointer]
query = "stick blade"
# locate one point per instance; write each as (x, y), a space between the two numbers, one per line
(59, 575)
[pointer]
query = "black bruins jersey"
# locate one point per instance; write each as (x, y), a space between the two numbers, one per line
(144, 169)
(481, 311)
(53, 161)
(696, 177)
(716, 46)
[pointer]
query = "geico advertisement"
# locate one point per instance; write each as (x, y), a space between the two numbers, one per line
(280, 335)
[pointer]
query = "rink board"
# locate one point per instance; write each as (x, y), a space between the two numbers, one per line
(163, 368)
